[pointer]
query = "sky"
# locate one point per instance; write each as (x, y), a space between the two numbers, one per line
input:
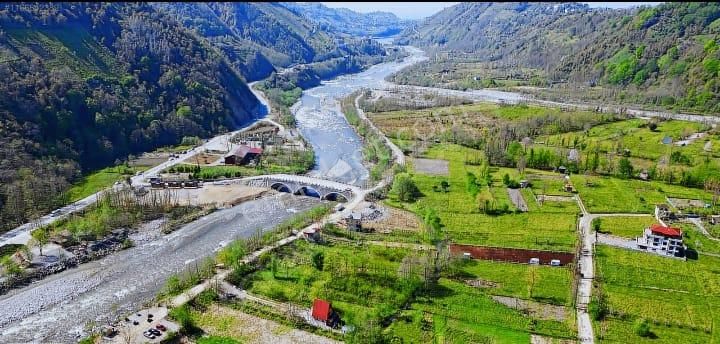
(409, 10)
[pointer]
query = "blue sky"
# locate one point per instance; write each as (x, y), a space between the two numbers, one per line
(420, 10)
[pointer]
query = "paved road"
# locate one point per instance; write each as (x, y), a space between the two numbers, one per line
(587, 270)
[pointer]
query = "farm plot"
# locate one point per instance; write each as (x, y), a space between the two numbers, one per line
(625, 226)
(363, 283)
(679, 298)
(547, 227)
(614, 195)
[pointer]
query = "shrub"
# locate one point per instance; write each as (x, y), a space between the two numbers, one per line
(642, 327)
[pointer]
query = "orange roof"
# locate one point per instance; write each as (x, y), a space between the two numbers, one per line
(666, 231)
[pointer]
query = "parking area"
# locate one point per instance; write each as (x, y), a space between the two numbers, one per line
(145, 326)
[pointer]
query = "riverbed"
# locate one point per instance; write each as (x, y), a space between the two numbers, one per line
(60, 307)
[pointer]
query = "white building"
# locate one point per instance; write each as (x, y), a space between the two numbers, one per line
(662, 240)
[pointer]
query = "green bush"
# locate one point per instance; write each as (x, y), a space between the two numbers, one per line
(642, 327)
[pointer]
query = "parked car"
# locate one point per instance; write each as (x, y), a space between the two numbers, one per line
(161, 327)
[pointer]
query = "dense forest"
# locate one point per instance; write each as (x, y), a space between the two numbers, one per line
(259, 38)
(343, 20)
(87, 84)
(663, 56)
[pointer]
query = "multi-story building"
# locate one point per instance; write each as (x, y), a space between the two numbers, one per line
(662, 240)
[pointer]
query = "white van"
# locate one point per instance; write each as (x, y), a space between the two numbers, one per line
(555, 262)
(535, 261)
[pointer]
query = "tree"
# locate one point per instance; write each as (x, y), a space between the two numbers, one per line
(40, 238)
(625, 168)
(597, 224)
(404, 187)
(642, 327)
(318, 260)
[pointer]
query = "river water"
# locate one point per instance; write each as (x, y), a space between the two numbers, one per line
(338, 149)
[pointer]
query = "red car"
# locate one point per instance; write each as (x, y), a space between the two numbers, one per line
(161, 327)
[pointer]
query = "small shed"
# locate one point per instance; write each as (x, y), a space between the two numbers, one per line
(322, 311)
(562, 169)
(354, 222)
(644, 175)
(524, 183)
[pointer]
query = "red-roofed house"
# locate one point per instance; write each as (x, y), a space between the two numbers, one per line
(243, 155)
(321, 310)
(663, 240)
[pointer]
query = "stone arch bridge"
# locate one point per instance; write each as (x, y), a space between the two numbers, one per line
(308, 186)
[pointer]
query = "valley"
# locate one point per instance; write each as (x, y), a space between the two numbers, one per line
(283, 174)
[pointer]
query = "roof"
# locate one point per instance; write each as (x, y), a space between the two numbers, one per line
(665, 231)
(321, 310)
(244, 150)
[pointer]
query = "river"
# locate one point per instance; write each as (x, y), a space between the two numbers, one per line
(338, 149)
(60, 307)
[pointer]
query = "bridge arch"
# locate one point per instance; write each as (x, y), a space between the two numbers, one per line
(336, 196)
(282, 187)
(308, 191)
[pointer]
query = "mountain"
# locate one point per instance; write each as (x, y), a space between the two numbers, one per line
(666, 55)
(661, 56)
(530, 34)
(258, 38)
(345, 21)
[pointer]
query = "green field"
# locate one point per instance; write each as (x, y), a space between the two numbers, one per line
(679, 298)
(642, 142)
(614, 195)
(362, 283)
(625, 226)
(100, 180)
(454, 312)
(547, 227)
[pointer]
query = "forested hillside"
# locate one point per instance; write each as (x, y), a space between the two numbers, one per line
(667, 55)
(343, 20)
(259, 37)
(664, 56)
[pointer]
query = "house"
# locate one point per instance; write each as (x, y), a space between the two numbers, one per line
(243, 155)
(524, 183)
(662, 240)
(644, 175)
(354, 222)
(562, 169)
(322, 311)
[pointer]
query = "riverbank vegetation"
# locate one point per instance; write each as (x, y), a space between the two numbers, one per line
(375, 152)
